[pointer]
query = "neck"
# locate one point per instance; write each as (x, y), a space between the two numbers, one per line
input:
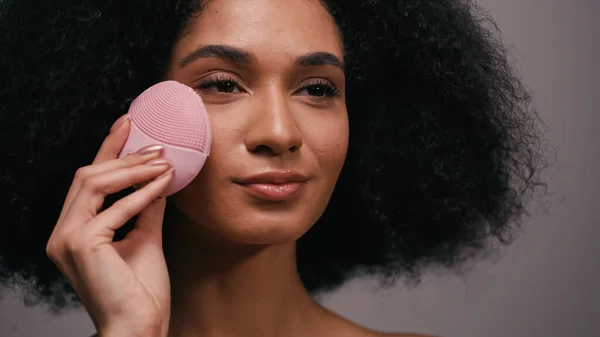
(223, 289)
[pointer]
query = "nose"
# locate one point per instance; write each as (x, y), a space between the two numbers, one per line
(272, 127)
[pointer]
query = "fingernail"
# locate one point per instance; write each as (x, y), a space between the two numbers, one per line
(159, 162)
(150, 149)
(169, 171)
(118, 123)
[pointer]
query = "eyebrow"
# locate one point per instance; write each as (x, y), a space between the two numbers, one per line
(236, 55)
(319, 59)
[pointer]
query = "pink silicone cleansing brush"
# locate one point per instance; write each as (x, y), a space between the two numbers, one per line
(173, 115)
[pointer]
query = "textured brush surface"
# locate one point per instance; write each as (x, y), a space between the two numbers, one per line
(172, 113)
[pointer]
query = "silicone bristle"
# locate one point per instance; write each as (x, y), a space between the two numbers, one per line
(174, 114)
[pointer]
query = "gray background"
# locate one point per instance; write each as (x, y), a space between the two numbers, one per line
(547, 283)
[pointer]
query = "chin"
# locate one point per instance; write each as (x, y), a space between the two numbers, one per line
(234, 214)
(268, 228)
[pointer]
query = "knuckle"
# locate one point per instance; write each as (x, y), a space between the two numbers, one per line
(90, 183)
(51, 250)
(54, 249)
(82, 173)
(73, 244)
(132, 159)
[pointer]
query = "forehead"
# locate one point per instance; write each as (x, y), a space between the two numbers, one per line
(292, 27)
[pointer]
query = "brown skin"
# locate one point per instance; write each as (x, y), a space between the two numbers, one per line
(236, 262)
(228, 265)
(269, 121)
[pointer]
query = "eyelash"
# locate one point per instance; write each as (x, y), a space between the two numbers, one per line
(330, 89)
(219, 79)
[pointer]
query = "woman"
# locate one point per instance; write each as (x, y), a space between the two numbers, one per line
(400, 125)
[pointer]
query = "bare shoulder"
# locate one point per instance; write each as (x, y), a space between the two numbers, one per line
(364, 332)
(347, 328)
(381, 334)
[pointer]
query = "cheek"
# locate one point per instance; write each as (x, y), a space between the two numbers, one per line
(329, 145)
(222, 162)
(227, 141)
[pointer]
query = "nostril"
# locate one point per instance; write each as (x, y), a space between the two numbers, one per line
(263, 149)
(293, 149)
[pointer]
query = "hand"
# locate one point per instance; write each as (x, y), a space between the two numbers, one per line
(123, 285)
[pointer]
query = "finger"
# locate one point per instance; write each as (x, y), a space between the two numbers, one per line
(113, 143)
(118, 123)
(143, 156)
(142, 248)
(116, 139)
(90, 197)
(147, 231)
(124, 209)
(150, 219)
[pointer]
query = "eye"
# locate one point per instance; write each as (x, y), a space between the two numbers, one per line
(223, 86)
(319, 89)
(220, 84)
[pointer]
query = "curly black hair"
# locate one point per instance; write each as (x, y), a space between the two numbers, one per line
(442, 159)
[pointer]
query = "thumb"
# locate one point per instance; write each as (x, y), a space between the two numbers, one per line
(150, 219)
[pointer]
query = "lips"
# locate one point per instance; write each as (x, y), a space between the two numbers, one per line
(274, 185)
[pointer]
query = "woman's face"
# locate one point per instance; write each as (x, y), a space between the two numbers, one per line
(270, 74)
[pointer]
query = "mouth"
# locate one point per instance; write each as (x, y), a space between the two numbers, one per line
(274, 185)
